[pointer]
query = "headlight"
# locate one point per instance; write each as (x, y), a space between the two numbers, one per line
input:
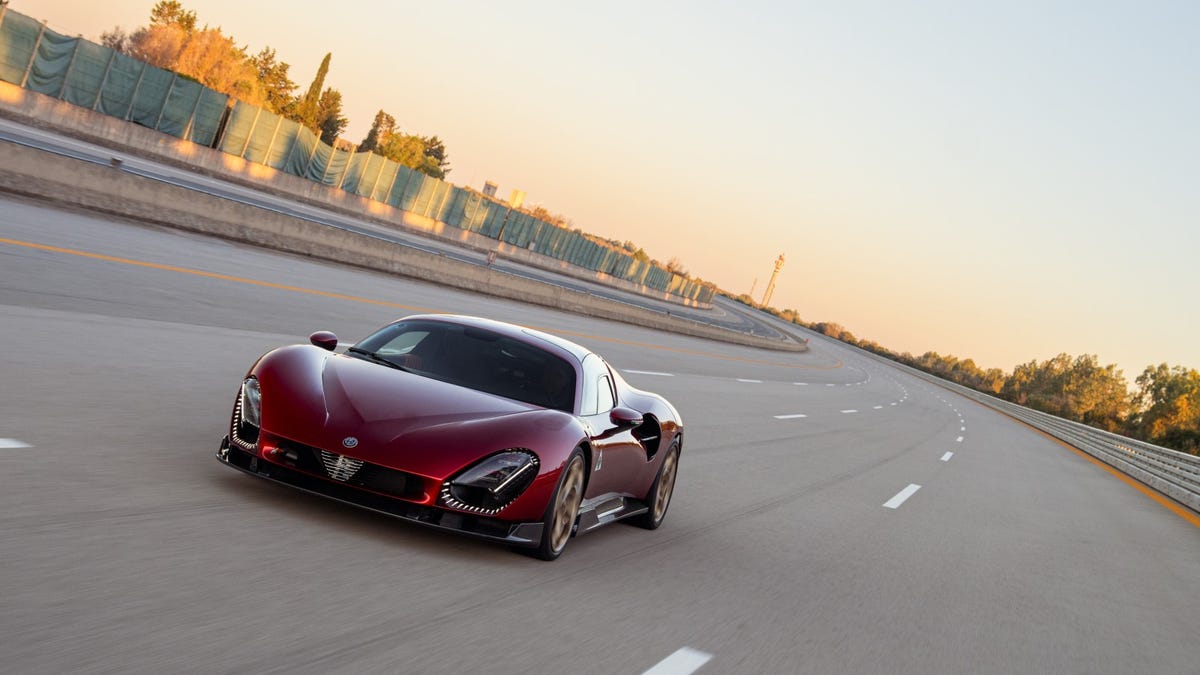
(493, 483)
(251, 403)
(247, 415)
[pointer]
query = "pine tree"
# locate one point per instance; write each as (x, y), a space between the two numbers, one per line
(306, 112)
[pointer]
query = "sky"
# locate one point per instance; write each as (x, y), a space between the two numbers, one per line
(1001, 181)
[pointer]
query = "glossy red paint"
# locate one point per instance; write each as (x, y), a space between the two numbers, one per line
(419, 425)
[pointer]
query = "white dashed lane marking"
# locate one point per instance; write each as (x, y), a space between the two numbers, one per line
(684, 661)
(649, 372)
(946, 457)
(902, 496)
(847, 412)
(790, 417)
(958, 440)
(12, 444)
(749, 381)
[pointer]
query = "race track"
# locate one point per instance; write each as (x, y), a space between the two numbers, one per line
(833, 514)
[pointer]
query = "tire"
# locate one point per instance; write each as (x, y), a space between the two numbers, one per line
(562, 511)
(659, 497)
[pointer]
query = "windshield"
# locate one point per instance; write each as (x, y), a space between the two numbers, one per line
(475, 358)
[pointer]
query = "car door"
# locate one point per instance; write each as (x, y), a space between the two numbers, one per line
(617, 457)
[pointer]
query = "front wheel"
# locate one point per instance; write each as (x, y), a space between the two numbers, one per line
(559, 521)
(660, 492)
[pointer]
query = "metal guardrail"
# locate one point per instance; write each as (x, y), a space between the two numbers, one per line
(1173, 473)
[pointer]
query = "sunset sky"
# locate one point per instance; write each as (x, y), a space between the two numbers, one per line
(1003, 181)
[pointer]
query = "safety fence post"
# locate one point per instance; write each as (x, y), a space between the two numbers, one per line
(112, 56)
(136, 89)
(250, 134)
(70, 65)
(345, 170)
(274, 134)
(187, 129)
(33, 55)
(162, 107)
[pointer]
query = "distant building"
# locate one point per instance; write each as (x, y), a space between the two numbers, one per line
(489, 189)
(517, 199)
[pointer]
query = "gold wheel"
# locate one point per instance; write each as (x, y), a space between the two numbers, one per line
(666, 485)
(566, 506)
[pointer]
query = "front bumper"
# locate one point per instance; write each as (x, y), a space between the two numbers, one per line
(514, 534)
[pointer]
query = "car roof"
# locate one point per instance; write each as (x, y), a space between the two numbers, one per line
(510, 330)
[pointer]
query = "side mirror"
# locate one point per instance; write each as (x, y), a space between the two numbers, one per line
(323, 339)
(624, 418)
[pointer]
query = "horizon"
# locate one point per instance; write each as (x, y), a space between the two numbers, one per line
(934, 177)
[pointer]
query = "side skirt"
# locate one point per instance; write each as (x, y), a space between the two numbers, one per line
(605, 509)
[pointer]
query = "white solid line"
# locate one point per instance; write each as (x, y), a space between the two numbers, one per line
(847, 412)
(789, 417)
(650, 372)
(946, 457)
(750, 381)
(12, 444)
(685, 660)
(958, 440)
(902, 496)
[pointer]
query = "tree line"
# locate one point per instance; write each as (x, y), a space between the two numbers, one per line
(173, 40)
(1163, 409)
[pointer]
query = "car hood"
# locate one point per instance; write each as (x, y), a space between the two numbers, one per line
(387, 416)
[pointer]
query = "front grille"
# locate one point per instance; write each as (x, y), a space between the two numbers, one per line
(350, 471)
(339, 467)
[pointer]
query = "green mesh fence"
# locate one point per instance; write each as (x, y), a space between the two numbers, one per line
(120, 82)
(86, 74)
(19, 36)
(97, 78)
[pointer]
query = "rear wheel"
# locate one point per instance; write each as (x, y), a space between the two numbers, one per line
(659, 497)
(559, 522)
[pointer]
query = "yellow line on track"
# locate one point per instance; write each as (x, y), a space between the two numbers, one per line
(383, 303)
(1163, 500)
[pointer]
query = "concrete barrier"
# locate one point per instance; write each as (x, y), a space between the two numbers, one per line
(110, 190)
(34, 109)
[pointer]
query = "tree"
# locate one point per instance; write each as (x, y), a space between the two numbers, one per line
(382, 127)
(1169, 404)
(309, 104)
(675, 266)
(422, 153)
(172, 13)
(329, 116)
(436, 151)
(272, 75)
(159, 45)
(116, 39)
(171, 41)
(215, 60)
(1077, 389)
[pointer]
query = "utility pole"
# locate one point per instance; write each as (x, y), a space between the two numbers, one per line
(771, 285)
(752, 287)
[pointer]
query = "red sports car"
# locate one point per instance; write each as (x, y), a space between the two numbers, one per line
(463, 424)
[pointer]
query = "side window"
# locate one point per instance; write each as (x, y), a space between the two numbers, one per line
(597, 389)
(604, 396)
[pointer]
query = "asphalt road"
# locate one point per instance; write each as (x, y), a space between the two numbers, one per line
(125, 547)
